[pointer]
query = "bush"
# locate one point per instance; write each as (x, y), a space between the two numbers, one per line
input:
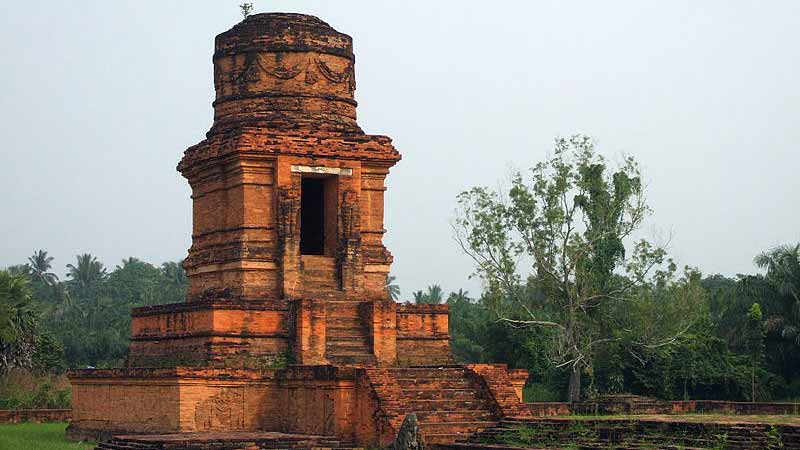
(538, 392)
(21, 389)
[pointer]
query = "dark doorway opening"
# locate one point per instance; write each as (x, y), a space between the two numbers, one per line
(312, 216)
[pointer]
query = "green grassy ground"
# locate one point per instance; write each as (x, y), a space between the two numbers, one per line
(38, 436)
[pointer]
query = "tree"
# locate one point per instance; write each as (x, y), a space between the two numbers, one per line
(755, 344)
(174, 273)
(22, 270)
(433, 296)
(783, 280)
(567, 224)
(87, 272)
(40, 264)
(17, 322)
(246, 8)
(392, 287)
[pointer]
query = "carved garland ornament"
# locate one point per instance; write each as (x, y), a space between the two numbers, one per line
(254, 66)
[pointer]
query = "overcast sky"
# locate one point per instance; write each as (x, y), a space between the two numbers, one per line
(101, 98)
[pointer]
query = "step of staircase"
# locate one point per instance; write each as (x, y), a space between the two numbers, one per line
(448, 405)
(347, 337)
(221, 441)
(355, 359)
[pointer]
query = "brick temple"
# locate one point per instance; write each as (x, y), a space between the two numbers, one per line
(287, 264)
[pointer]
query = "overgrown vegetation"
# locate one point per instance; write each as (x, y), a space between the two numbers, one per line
(569, 294)
(24, 389)
(48, 325)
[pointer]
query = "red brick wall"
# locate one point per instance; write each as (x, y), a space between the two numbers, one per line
(321, 400)
(209, 331)
(35, 415)
(422, 334)
(503, 386)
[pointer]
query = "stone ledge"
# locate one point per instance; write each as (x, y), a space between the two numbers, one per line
(202, 334)
(410, 308)
(34, 415)
(214, 304)
(293, 372)
(443, 337)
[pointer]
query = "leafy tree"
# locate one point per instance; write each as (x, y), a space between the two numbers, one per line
(22, 270)
(136, 282)
(392, 287)
(567, 223)
(48, 356)
(755, 344)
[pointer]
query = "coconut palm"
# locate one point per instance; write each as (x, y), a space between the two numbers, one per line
(460, 296)
(392, 287)
(87, 271)
(433, 296)
(40, 264)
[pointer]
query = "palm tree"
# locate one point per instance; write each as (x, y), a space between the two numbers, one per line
(783, 278)
(433, 296)
(128, 263)
(460, 296)
(392, 287)
(40, 264)
(87, 272)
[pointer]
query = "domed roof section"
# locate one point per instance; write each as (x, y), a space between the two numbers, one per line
(284, 32)
(284, 72)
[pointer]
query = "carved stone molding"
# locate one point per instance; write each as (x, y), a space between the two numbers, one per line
(312, 66)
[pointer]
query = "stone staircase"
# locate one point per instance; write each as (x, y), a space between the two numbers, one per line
(221, 441)
(449, 404)
(319, 275)
(347, 334)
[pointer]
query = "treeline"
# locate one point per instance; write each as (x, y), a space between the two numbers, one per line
(572, 293)
(49, 325)
(718, 357)
(742, 341)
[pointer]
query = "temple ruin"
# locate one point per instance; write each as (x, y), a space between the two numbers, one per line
(288, 326)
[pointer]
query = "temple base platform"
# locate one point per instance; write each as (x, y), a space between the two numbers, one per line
(347, 405)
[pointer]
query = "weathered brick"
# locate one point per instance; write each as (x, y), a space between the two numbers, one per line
(285, 113)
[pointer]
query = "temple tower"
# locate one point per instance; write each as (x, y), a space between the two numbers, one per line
(287, 325)
(287, 252)
(287, 190)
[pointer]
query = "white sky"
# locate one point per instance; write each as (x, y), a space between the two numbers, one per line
(101, 98)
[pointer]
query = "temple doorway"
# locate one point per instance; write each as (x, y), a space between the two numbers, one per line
(318, 215)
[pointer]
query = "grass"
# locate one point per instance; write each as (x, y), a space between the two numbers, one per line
(38, 436)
